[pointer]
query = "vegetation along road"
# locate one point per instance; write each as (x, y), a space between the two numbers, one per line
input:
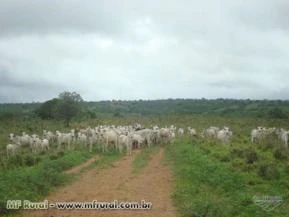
(182, 173)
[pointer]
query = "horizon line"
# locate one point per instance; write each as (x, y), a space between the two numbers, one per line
(161, 99)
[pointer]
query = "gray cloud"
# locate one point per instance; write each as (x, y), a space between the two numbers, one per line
(111, 17)
(15, 89)
(129, 49)
(264, 15)
(65, 16)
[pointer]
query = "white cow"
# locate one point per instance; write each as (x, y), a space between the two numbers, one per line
(12, 149)
(125, 142)
(172, 137)
(82, 139)
(257, 134)
(23, 140)
(211, 132)
(164, 135)
(44, 145)
(192, 132)
(137, 139)
(94, 138)
(147, 135)
(173, 128)
(110, 137)
(64, 138)
(50, 136)
(284, 138)
(155, 127)
(35, 143)
(224, 135)
(180, 132)
(137, 126)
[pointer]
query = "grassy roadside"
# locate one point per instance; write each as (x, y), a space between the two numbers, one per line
(106, 160)
(141, 159)
(208, 187)
(33, 183)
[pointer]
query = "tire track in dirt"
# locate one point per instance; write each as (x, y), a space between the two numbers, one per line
(154, 184)
(78, 168)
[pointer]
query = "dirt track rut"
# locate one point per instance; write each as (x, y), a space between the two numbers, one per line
(153, 183)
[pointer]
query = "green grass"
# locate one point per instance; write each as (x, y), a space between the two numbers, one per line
(212, 179)
(107, 159)
(141, 159)
(34, 182)
(208, 186)
(104, 161)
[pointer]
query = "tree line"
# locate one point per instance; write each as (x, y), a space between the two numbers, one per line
(69, 105)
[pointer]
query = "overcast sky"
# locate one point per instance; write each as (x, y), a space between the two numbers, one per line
(136, 49)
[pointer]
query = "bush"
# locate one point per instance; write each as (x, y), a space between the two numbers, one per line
(276, 113)
(60, 154)
(225, 159)
(251, 157)
(237, 152)
(286, 169)
(30, 160)
(279, 154)
(205, 150)
(268, 172)
(53, 156)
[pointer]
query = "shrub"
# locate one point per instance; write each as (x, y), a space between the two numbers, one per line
(279, 154)
(60, 154)
(53, 156)
(286, 169)
(268, 172)
(225, 159)
(251, 157)
(30, 160)
(237, 152)
(276, 113)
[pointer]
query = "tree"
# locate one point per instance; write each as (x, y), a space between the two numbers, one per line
(69, 106)
(65, 107)
(276, 113)
(70, 96)
(45, 111)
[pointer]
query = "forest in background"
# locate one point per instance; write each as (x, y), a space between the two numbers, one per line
(278, 109)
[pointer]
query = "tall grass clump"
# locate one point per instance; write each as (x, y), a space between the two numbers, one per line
(34, 182)
(208, 187)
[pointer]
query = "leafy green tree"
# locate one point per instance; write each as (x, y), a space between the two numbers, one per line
(70, 96)
(68, 106)
(45, 111)
(276, 113)
(65, 107)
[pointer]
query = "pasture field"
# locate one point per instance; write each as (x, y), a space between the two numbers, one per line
(141, 160)
(211, 179)
(28, 176)
(218, 180)
(144, 108)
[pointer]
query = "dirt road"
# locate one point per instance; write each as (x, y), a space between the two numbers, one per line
(153, 184)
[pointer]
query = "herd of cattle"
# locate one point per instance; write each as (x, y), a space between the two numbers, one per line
(127, 137)
(261, 133)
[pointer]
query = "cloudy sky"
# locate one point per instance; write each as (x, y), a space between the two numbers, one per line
(136, 49)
